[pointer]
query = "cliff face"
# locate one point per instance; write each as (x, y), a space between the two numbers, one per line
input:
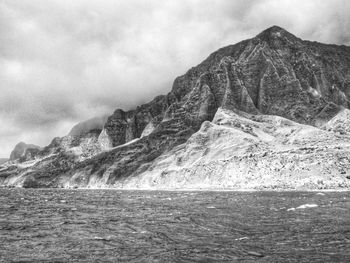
(274, 73)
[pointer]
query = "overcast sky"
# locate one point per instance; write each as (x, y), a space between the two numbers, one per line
(64, 61)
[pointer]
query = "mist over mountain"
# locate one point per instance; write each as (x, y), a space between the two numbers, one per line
(20, 150)
(81, 128)
(249, 116)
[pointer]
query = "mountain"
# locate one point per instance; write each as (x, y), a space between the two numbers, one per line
(260, 114)
(22, 150)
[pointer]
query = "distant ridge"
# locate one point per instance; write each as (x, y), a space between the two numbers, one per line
(20, 150)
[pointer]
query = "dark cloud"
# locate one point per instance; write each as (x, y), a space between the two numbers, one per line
(63, 61)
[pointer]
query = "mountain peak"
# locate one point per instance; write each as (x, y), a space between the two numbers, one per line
(274, 28)
(275, 32)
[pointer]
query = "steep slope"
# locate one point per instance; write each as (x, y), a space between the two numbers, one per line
(274, 73)
(251, 152)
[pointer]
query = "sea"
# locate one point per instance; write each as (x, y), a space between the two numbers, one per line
(57, 225)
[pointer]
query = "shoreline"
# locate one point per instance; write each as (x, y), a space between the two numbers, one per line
(182, 189)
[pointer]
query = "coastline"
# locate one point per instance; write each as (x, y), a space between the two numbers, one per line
(186, 189)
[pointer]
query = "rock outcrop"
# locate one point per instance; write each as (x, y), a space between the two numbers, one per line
(298, 82)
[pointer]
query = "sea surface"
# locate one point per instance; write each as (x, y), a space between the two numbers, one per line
(154, 226)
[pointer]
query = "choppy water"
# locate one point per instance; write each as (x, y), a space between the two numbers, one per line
(134, 226)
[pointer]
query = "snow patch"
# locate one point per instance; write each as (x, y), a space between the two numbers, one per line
(148, 129)
(314, 92)
(104, 140)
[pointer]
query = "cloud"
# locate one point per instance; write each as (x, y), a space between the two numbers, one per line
(64, 61)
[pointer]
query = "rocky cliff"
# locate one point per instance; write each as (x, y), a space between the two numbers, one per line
(257, 84)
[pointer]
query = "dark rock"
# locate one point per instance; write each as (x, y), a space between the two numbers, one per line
(122, 126)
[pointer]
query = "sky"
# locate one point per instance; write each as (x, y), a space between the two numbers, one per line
(64, 61)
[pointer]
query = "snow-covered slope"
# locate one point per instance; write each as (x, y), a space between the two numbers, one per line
(340, 123)
(251, 152)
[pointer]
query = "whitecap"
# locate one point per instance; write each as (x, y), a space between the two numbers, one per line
(242, 238)
(307, 206)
